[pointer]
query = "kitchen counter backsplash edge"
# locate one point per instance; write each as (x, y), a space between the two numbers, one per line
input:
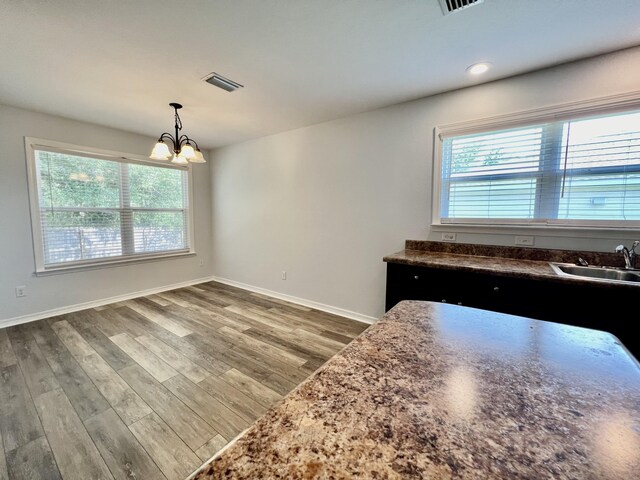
(520, 253)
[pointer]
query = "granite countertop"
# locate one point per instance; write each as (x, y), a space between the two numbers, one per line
(504, 261)
(441, 391)
(457, 261)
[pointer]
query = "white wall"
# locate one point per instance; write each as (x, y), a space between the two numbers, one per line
(16, 249)
(327, 202)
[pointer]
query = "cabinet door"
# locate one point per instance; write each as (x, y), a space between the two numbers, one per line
(408, 282)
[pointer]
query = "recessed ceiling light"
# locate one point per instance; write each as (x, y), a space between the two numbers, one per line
(479, 68)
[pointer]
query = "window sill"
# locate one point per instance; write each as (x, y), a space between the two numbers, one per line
(120, 262)
(540, 230)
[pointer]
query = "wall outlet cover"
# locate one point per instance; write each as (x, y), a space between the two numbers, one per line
(525, 240)
(448, 237)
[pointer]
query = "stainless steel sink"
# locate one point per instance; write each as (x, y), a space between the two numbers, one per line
(598, 273)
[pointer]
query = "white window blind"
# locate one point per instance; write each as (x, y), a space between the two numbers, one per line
(93, 210)
(581, 171)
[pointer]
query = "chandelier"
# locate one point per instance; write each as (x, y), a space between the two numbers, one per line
(183, 150)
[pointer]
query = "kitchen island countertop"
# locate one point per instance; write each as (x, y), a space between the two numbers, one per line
(441, 391)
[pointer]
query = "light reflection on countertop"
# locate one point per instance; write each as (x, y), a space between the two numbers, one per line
(616, 447)
(441, 391)
(461, 393)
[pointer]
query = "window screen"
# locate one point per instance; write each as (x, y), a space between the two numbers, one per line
(576, 171)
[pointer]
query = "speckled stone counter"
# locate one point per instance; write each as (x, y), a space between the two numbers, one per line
(504, 261)
(440, 391)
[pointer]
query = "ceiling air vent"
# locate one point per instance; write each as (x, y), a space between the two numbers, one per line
(221, 82)
(451, 6)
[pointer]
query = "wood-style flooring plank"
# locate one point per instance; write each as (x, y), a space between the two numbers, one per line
(234, 399)
(7, 357)
(264, 321)
(344, 339)
(230, 357)
(4, 474)
(196, 321)
(236, 296)
(160, 370)
(156, 316)
(33, 461)
(84, 318)
(158, 300)
(281, 302)
(113, 323)
(48, 342)
(201, 297)
(75, 453)
(127, 404)
(82, 393)
(212, 447)
(275, 365)
(240, 339)
(220, 316)
(324, 320)
(214, 412)
(77, 345)
(189, 426)
(78, 387)
(279, 384)
(34, 367)
(106, 348)
(311, 366)
(19, 422)
(173, 298)
(251, 387)
(213, 364)
(173, 357)
(120, 396)
(224, 316)
(323, 344)
(171, 455)
(122, 453)
(290, 342)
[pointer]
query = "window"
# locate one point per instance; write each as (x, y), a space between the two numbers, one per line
(92, 207)
(575, 170)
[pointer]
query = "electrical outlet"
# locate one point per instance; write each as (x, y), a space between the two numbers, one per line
(448, 237)
(21, 291)
(525, 240)
(284, 275)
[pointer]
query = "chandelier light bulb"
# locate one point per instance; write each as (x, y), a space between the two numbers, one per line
(199, 158)
(188, 152)
(178, 159)
(160, 151)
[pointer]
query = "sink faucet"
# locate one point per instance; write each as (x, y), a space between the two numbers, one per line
(629, 256)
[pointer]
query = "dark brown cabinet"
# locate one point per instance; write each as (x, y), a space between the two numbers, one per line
(599, 306)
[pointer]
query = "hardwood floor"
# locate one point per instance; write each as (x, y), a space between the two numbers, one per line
(152, 387)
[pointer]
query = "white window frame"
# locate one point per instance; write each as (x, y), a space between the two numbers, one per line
(610, 104)
(32, 144)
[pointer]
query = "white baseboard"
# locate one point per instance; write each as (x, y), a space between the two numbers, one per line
(97, 303)
(8, 322)
(300, 301)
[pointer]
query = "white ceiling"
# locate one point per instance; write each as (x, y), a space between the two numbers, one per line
(120, 62)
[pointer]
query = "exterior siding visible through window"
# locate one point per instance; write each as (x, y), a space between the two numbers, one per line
(576, 171)
(94, 209)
